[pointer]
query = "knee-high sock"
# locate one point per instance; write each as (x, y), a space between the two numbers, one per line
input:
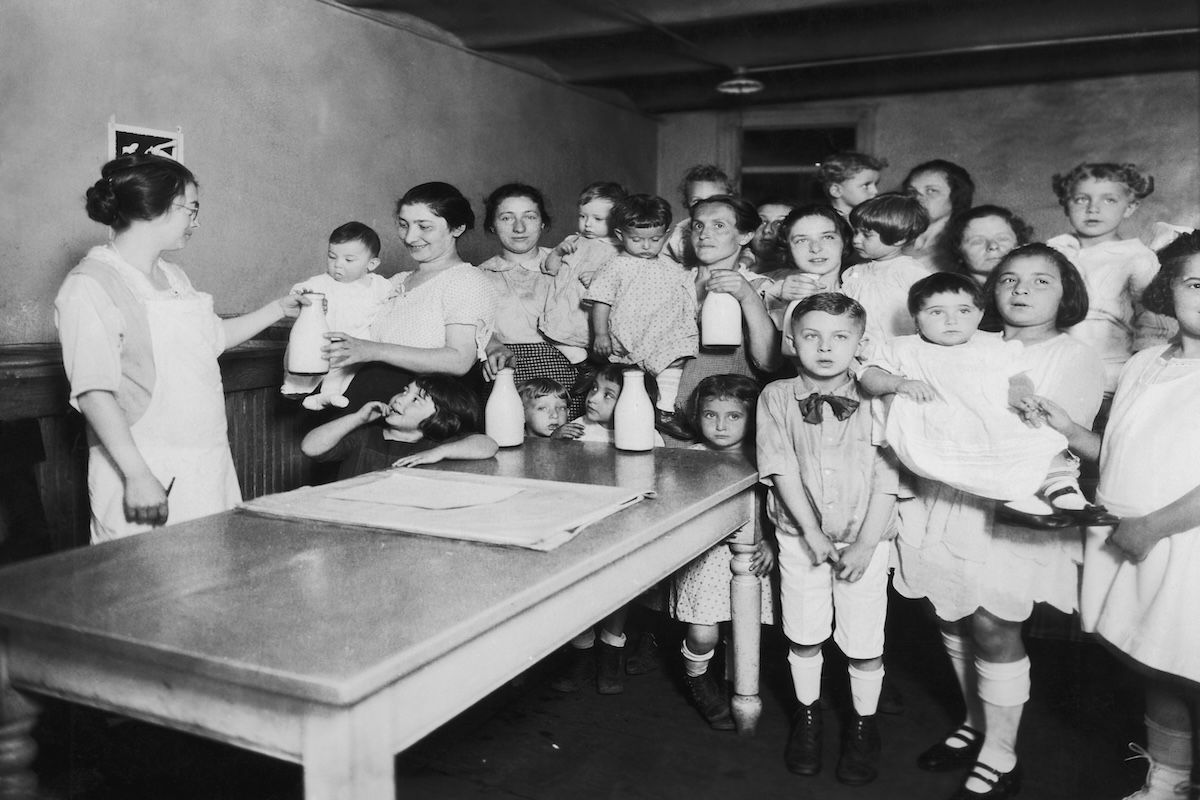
(1004, 690)
(668, 387)
(806, 676)
(962, 658)
(865, 686)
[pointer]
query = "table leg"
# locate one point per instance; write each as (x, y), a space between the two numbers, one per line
(18, 714)
(347, 754)
(745, 593)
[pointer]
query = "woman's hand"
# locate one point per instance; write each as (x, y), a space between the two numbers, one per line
(1037, 411)
(762, 560)
(498, 358)
(798, 287)
(1134, 537)
(728, 281)
(145, 500)
(292, 303)
(344, 350)
(602, 345)
(571, 430)
(919, 391)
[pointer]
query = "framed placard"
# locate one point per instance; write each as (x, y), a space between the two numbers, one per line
(128, 140)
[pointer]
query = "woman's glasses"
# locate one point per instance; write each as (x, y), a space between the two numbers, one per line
(192, 211)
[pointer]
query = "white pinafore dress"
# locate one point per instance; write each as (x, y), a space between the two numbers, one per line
(182, 433)
(1149, 460)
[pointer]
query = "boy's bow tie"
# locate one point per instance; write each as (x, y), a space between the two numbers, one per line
(810, 407)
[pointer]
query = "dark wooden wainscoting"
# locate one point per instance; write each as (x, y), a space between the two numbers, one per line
(264, 428)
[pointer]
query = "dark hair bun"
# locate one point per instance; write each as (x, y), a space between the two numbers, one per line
(102, 202)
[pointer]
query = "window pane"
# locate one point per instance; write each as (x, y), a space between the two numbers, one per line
(778, 147)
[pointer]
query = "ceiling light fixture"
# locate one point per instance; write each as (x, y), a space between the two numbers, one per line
(740, 84)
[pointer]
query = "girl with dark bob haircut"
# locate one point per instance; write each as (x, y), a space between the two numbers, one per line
(456, 408)
(897, 218)
(137, 188)
(442, 199)
(1159, 296)
(508, 190)
(1074, 306)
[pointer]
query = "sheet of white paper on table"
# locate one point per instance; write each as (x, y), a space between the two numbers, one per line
(417, 492)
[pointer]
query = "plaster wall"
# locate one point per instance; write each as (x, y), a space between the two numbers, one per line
(297, 116)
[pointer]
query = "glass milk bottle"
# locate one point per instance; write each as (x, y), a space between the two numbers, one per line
(304, 356)
(633, 417)
(504, 416)
(720, 320)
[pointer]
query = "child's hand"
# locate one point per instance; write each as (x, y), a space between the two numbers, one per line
(798, 287)
(572, 430)
(853, 562)
(416, 459)
(762, 560)
(728, 281)
(822, 549)
(602, 345)
(1134, 538)
(1037, 411)
(919, 391)
(372, 410)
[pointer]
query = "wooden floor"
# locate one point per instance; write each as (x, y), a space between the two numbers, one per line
(527, 741)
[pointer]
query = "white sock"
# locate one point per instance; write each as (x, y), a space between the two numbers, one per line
(695, 664)
(865, 686)
(1070, 500)
(806, 676)
(962, 659)
(1004, 690)
(1168, 747)
(668, 387)
(612, 639)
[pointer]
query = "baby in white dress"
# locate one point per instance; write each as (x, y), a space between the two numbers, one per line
(952, 417)
(353, 296)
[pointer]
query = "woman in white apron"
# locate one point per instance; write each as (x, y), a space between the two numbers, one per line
(140, 348)
(1141, 580)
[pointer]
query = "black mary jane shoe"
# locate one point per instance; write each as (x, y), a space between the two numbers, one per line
(1027, 519)
(1000, 784)
(671, 424)
(944, 758)
(1091, 515)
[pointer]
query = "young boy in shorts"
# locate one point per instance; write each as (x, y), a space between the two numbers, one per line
(832, 499)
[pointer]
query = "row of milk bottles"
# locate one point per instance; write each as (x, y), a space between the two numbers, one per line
(504, 415)
(633, 416)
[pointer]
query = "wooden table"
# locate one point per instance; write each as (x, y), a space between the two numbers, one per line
(338, 647)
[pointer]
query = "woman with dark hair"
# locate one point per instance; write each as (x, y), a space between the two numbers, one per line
(983, 576)
(516, 215)
(975, 240)
(433, 418)
(721, 226)
(442, 313)
(816, 240)
(944, 189)
(140, 348)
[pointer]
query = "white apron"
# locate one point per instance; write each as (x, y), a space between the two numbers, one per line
(182, 434)
(1149, 460)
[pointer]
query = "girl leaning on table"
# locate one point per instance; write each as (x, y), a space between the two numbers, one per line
(140, 348)
(1140, 584)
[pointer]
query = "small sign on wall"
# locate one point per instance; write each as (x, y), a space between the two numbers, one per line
(130, 140)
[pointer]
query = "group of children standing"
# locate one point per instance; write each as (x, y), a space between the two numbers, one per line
(891, 388)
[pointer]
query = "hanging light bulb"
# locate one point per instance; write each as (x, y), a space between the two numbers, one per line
(740, 84)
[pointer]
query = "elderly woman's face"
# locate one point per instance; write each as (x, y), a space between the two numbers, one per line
(427, 236)
(984, 242)
(518, 224)
(1028, 292)
(715, 235)
(932, 191)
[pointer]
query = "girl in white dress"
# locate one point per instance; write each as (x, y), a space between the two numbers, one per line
(1140, 586)
(883, 227)
(722, 411)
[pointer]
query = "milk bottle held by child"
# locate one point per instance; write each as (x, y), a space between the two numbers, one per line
(304, 356)
(504, 416)
(720, 320)
(633, 417)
